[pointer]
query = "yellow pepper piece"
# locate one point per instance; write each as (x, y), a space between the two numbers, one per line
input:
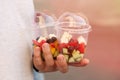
(56, 44)
(52, 50)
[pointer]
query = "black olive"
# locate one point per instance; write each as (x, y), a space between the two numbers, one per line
(70, 49)
(37, 38)
(54, 39)
(49, 41)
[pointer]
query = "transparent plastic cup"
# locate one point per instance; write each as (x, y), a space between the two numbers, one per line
(72, 40)
(67, 36)
(46, 30)
(46, 33)
(76, 31)
(44, 24)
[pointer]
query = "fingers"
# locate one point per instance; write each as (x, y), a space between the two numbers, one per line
(44, 66)
(47, 55)
(37, 60)
(82, 63)
(62, 64)
(50, 64)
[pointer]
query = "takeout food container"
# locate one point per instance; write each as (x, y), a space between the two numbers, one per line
(72, 32)
(68, 36)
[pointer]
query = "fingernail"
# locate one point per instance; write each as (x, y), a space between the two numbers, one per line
(46, 48)
(87, 61)
(84, 62)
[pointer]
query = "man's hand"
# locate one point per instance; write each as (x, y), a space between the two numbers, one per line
(51, 65)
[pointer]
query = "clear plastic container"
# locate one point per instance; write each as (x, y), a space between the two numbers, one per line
(72, 33)
(46, 33)
(45, 24)
(68, 36)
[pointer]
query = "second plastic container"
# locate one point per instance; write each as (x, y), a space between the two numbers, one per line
(72, 35)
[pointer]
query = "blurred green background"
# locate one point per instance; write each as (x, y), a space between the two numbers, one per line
(103, 48)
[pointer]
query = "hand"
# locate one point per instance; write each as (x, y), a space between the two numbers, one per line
(49, 65)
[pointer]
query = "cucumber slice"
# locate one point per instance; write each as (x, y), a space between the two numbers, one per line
(65, 51)
(71, 60)
(66, 57)
(76, 54)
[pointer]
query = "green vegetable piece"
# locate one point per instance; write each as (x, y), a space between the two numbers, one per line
(71, 60)
(65, 51)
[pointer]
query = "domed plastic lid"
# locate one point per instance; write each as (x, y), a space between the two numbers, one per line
(45, 20)
(73, 18)
(74, 22)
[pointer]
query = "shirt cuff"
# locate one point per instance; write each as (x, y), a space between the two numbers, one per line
(35, 68)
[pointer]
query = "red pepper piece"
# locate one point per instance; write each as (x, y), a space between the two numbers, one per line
(64, 45)
(52, 44)
(73, 42)
(36, 43)
(61, 46)
(81, 47)
(42, 42)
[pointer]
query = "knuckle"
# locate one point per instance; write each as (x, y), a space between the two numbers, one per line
(50, 64)
(40, 64)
